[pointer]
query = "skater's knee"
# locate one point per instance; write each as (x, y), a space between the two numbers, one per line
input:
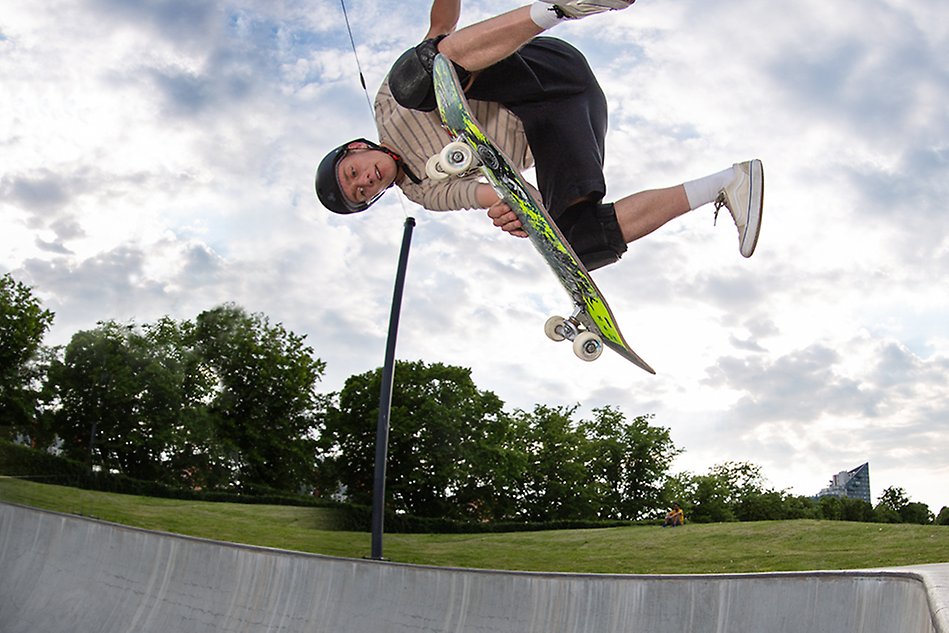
(598, 259)
(594, 234)
(410, 78)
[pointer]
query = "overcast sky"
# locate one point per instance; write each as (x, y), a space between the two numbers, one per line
(157, 158)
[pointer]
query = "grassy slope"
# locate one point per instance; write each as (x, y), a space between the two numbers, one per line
(725, 547)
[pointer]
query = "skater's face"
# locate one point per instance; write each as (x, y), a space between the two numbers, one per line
(363, 173)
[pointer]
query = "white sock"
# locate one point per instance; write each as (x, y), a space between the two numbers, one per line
(705, 190)
(544, 16)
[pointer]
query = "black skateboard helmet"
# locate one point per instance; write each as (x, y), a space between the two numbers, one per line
(327, 180)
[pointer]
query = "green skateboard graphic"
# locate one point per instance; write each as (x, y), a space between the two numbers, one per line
(592, 324)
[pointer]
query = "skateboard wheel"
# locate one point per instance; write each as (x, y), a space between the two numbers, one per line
(587, 346)
(433, 169)
(553, 328)
(455, 158)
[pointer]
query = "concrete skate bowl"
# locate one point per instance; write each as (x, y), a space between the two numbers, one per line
(61, 573)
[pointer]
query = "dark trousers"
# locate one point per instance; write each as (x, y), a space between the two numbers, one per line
(549, 85)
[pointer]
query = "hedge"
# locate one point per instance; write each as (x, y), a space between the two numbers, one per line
(24, 462)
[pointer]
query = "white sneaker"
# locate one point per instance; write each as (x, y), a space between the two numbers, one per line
(744, 197)
(581, 8)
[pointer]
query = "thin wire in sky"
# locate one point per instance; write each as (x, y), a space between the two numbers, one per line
(352, 41)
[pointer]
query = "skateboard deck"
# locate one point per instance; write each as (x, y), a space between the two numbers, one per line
(590, 309)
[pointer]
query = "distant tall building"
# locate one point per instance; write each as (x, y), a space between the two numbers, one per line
(850, 483)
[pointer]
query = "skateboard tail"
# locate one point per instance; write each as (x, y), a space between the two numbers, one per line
(630, 355)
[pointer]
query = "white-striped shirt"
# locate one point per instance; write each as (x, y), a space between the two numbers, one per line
(416, 136)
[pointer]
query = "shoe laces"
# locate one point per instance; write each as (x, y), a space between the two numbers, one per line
(719, 203)
(559, 12)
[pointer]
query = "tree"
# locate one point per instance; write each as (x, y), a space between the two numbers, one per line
(717, 495)
(193, 456)
(264, 404)
(916, 512)
(884, 514)
(895, 507)
(801, 507)
(831, 508)
(893, 498)
(629, 462)
(454, 452)
(711, 500)
(761, 506)
(856, 510)
(678, 488)
(23, 360)
(892, 503)
(226, 401)
(116, 400)
(738, 479)
(943, 517)
(494, 482)
(451, 448)
(557, 484)
(730, 491)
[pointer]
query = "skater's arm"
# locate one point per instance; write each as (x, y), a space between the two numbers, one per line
(444, 17)
(499, 212)
(454, 195)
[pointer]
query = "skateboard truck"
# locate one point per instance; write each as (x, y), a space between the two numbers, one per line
(455, 159)
(586, 345)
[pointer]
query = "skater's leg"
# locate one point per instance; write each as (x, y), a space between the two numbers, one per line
(483, 44)
(643, 212)
(739, 188)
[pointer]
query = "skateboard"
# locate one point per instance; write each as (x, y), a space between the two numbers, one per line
(591, 324)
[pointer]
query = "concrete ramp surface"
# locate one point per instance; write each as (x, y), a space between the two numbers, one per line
(65, 574)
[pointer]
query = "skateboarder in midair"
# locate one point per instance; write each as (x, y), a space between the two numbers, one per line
(538, 98)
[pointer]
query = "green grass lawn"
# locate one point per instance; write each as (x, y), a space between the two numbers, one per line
(715, 548)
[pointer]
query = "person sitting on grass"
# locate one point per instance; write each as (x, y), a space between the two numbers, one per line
(674, 517)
